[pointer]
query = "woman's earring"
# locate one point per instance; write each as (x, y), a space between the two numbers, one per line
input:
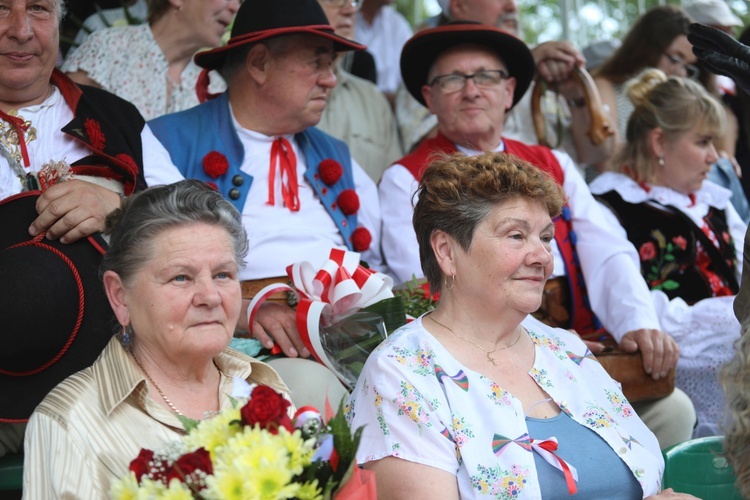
(453, 282)
(125, 336)
(661, 161)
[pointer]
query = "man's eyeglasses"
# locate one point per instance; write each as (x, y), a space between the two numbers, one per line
(691, 70)
(341, 3)
(485, 79)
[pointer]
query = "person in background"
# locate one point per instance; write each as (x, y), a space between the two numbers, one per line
(298, 189)
(469, 75)
(172, 277)
(687, 234)
(657, 39)
(136, 10)
(726, 56)
(151, 65)
(356, 111)
(555, 61)
(476, 399)
(384, 31)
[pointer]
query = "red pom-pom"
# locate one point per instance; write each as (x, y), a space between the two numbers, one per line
(330, 171)
(215, 164)
(94, 133)
(348, 201)
(361, 239)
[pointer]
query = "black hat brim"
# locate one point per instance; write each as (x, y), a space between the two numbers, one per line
(421, 51)
(26, 311)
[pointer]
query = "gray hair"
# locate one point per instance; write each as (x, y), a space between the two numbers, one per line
(61, 7)
(143, 216)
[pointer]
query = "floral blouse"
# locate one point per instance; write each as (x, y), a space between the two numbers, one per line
(418, 403)
(127, 61)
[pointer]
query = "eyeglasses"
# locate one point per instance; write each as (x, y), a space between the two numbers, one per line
(485, 79)
(341, 3)
(691, 70)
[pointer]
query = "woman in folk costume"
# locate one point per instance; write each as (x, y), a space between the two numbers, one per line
(688, 236)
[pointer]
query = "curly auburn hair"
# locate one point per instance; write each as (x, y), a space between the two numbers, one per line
(457, 192)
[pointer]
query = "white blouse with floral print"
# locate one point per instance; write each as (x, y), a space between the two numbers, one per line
(127, 61)
(419, 404)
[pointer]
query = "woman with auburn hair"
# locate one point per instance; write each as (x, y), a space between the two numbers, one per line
(151, 64)
(687, 234)
(477, 398)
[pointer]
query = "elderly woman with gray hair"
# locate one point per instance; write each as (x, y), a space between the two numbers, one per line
(171, 276)
(476, 398)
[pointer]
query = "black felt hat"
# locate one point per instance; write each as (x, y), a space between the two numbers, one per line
(55, 318)
(258, 20)
(421, 51)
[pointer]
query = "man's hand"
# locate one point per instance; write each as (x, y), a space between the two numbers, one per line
(274, 323)
(722, 54)
(73, 209)
(555, 60)
(660, 351)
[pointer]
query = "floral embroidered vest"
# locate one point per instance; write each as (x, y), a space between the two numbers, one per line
(676, 256)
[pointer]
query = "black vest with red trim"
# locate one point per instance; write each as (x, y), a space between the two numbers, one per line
(582, 318)
(110, 127)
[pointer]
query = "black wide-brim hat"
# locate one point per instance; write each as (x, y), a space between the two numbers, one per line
(421, 51)
(258, 20)
(55, 318)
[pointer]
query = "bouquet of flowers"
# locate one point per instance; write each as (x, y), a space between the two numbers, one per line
(417, 297)
(254, 451)
(344, 311)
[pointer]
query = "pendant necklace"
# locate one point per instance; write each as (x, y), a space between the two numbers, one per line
(486, 352)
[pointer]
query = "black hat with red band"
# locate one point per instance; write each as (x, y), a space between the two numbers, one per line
(258, 20)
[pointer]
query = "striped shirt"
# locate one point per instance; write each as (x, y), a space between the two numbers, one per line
(88, 429)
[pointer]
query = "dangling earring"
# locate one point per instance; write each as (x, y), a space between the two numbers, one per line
(661, 161)
(453, 282)
(125, 337)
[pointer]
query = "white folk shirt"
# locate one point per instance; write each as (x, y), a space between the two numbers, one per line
(617, 292)
(279, 237)
(52, 145)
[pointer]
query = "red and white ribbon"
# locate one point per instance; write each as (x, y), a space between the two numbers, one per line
(338, 289)
(546, 448)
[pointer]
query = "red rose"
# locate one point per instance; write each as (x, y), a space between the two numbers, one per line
(361, 239)
(267, 408)
(330, 171)
(680, 242)
(215, 164)
(348, 201)
(427, 295)
(142, 463)
(200, 460)
(647, 251)
(94, 133)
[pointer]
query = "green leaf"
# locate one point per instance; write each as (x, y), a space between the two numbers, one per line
(670, 285)
(392, 311)
(188, 423)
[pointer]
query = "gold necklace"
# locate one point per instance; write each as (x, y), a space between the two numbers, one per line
(158, 389)
(486, 352)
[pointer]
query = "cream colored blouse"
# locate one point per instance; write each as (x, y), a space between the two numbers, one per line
(87, 430)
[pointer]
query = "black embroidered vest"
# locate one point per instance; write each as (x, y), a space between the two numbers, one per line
(667, 243)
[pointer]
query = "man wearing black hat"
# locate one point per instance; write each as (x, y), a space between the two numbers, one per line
(299, 190)
(52, 130)
(470, 75)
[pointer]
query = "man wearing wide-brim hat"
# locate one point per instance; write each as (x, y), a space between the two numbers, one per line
(299, 190)
(470, 75)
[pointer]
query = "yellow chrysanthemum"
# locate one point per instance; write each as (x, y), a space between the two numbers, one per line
(274, 483)
(125, 488)
(310, 491)
(299, 451)
(213, 432)
(177, 491)
(227, 484)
